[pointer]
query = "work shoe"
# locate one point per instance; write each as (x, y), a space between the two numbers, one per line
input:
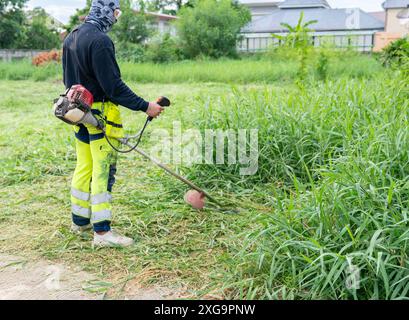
(111, 239)
(79, 230)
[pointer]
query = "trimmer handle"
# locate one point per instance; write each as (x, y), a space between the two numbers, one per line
(163, 102)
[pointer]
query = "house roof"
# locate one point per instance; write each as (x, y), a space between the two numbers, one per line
(289, 4)
(328, 20)
(395, 4)
(380, 15)
(160, 16)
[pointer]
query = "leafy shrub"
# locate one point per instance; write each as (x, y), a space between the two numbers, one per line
(322, 66)
(395, 52)
(38, 36)
(163, 49)
(132, 27)
(298, 36)
(211, 28)
(130, 52)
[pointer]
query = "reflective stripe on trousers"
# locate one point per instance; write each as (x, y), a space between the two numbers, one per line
(95, 163)
(103, 215)
(84, 196)
(101, 198)
(101, 207)
(81, 211)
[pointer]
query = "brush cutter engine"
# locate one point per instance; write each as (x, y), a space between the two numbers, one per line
(74, 107)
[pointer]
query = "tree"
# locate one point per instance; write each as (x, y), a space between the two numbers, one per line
(78, 17)
(132, 26)
(299, 35)
(38, 35)
(12, 4)
(18, 32)
(12, 20)
(212, 27)
(169, 6)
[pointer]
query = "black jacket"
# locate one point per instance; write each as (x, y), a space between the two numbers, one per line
(89, 60)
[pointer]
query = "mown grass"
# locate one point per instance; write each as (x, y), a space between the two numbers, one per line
(268, 69)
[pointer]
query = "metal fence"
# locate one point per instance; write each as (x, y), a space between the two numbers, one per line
(362, 42)
(10, 54)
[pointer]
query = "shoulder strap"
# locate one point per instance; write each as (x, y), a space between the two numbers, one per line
(76, 57)
(75, 51)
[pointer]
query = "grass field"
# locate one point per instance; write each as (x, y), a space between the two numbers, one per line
(330, 195)
(272, 69)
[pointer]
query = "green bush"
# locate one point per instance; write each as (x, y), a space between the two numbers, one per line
(130, 52)
(38, 36)
(395, 53)
(211, 28)
(132, 27)
(163, 49)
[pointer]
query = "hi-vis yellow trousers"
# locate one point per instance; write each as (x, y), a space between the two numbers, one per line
(94, 174)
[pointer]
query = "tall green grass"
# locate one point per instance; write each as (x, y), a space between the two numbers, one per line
(331, 191)
(267, 69)
(333, 168)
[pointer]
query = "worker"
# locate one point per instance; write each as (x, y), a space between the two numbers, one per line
(89, 60)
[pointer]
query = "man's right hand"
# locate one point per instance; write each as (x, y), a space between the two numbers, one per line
(154, 110)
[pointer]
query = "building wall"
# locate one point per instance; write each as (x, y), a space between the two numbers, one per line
(164, 26)
(383, 39)
(392, 23)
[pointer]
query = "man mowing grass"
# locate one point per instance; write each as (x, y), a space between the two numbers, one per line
(89, 60)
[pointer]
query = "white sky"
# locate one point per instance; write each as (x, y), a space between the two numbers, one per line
(62, 10)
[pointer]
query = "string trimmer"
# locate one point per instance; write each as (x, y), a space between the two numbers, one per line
(74, 107)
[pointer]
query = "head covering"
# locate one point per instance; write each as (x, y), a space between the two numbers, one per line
(102, 14)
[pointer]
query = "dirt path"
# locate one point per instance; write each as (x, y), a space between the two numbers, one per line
(21, 279)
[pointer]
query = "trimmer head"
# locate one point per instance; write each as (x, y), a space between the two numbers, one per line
(195, 199)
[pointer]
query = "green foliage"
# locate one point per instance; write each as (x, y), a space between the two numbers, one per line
(13, 4)
(77, 18)
(38, 35)
(162, 49)
(298, 36)
(323, 65)
(261, 70)
(12, 30)
(130, 52)
(329, 197)
(132, 27)
(17, 32)
(395, 53)
(168, 6)
(211, 28)
(333, 171)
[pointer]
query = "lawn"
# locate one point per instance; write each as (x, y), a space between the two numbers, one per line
(330, 195)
